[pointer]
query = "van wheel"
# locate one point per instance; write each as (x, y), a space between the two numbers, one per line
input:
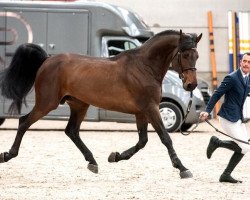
(171, 116)
(2, 121)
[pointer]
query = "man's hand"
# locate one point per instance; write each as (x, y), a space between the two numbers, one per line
(204, 116)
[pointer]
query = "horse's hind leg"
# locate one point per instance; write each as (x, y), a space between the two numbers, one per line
(78, 110)
(24, 123)
(142, 126)
(156, 121)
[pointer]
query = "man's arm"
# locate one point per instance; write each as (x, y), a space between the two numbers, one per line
(224, 87)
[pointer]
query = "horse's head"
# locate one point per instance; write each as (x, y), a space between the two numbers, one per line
(185, 59)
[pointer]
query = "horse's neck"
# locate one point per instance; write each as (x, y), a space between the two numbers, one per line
(158, 57)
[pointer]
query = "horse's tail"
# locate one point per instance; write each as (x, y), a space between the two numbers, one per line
(17, 79)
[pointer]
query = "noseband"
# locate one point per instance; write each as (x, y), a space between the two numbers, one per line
(181, 69)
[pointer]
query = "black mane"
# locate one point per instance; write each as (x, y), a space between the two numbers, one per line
(168, 32)
(188, 41)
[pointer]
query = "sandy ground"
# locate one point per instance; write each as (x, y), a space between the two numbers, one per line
(50, 167)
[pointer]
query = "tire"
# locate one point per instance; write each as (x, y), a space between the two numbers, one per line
(171, 116)
(2, 121)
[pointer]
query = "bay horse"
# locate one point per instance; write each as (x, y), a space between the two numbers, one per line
(129, 82)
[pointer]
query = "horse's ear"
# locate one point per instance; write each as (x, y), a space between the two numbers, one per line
(198, 38)
(180, 34)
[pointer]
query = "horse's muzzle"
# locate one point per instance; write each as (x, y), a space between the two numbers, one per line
(190, 86)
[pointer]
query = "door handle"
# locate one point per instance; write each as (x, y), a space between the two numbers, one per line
(52, 46)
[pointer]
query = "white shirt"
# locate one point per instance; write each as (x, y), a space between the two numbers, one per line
(244, 75)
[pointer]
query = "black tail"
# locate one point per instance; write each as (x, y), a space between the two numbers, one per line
(17, 80)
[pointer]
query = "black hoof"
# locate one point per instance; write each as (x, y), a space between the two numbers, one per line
(186, 174)
(112, 157)
(93, 168)
(2, 158)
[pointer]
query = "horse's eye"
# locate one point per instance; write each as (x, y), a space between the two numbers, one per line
(185, 54)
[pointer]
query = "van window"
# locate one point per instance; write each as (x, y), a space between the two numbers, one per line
(117, 46)
(113, 45)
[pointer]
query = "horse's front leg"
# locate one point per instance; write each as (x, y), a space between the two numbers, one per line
(142, 126)
(156, 121)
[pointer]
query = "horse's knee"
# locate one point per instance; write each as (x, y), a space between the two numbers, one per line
(166, 140)
(71, 132)
(68, 132)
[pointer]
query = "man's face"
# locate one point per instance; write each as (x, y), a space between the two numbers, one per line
(245, 64)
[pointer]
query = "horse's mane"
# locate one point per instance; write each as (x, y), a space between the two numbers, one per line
(163, 33)
(130, 52)
(167, 32)
(134, 51)
(187, 43)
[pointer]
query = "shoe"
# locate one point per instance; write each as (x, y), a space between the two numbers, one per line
(233, 162)
(228, 179)
(212, 146)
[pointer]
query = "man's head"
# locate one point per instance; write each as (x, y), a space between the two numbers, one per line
(245, 63)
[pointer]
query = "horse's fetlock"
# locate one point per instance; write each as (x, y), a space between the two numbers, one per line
(13, 154)
(175, 162)
(6, 156)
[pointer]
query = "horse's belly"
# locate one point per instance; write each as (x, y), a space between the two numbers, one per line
(110, 100)
(114, 103)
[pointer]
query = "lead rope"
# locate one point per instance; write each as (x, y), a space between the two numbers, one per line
(185, 117)
(217, 130)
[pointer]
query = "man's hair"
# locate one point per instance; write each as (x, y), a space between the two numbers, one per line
(246, 53)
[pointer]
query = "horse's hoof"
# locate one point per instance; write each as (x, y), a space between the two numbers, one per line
(93, 168)
(2, 158)
(112, 157)
(186, 174)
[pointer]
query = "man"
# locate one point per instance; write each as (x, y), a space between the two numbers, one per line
(235, 88)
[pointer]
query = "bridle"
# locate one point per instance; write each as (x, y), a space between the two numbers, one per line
(180, 66)
(181, 71)
(181, 76)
